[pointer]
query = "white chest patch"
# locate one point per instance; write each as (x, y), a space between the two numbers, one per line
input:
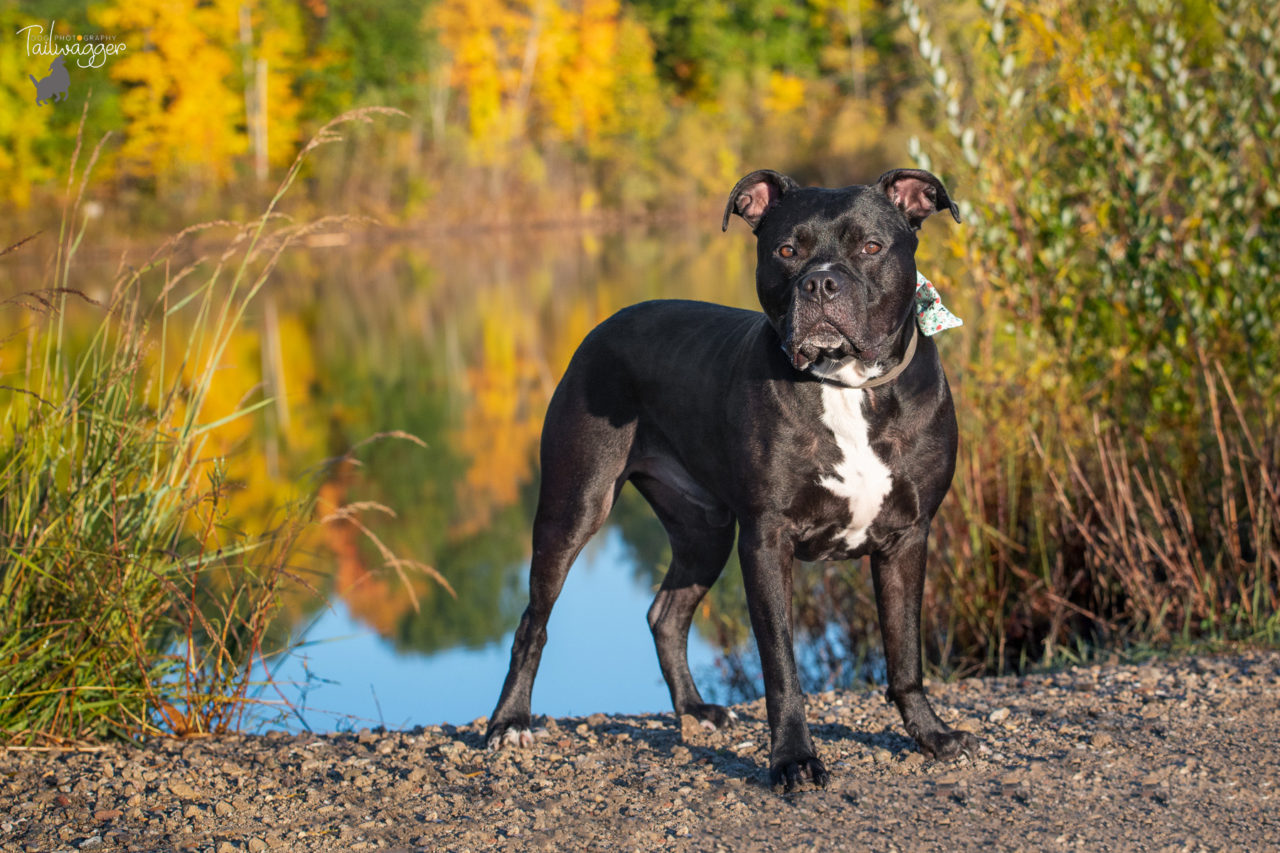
(860, 477)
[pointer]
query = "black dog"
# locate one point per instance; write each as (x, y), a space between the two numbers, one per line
(823, 429)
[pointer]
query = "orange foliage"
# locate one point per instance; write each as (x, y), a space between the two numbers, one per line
(377, 599)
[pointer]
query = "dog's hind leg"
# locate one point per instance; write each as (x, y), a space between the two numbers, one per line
(701, 541)
(584, 459)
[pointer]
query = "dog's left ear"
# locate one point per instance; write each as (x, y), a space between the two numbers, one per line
(917, 193)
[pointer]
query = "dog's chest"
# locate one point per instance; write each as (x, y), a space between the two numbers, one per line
(860, 479)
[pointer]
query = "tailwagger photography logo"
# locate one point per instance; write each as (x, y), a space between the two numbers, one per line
(89, 50)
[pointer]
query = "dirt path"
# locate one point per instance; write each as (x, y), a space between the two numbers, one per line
(1175, 755)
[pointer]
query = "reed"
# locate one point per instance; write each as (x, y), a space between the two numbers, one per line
(1110, 541)
(1182, 558)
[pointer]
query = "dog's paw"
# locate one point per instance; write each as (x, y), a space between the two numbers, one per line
(947, 744)
(712, 717)
(789, 774)
(517, 735)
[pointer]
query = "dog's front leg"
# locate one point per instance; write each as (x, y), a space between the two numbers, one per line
(899, 582)
(766, 572)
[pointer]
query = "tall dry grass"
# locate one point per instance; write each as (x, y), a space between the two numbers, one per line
(1073, 548)
(1182, 557)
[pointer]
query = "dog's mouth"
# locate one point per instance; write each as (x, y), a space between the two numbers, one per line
(823, 341)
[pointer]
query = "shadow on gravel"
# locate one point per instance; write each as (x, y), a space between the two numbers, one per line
(714, 749)
(885, 739)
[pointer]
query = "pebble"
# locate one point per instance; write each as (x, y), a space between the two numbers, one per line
(182, 790)
(690, 728)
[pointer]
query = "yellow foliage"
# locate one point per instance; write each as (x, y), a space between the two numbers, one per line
(503, 421)
(492, 45)
(255, 451)
(507, 387)
(641, 111)
(576, 80)
(786, 93)
(182, 110)
(252, 449)
(577, 72)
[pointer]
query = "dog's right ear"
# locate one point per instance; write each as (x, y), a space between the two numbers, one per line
(755, 194)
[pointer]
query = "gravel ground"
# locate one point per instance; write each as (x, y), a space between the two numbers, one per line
(1182, 754)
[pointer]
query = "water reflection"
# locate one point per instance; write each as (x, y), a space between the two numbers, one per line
(600, 658)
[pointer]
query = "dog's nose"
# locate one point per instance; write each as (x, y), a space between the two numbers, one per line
(822, 285)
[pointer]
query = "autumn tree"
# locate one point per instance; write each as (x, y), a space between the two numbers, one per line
(546, 70)
(198, 68)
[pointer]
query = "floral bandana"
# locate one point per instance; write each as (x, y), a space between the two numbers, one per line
(931, 315)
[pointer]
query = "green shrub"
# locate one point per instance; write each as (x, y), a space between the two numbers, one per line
(1119, 168)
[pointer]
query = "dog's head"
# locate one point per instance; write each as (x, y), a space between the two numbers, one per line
(835, 268)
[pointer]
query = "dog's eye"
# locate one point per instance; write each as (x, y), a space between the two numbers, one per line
(871, 248)
(787, 250)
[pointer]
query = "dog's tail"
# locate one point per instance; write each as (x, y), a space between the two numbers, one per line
(34, 80)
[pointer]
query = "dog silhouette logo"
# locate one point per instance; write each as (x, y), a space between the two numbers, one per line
(54, 87)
